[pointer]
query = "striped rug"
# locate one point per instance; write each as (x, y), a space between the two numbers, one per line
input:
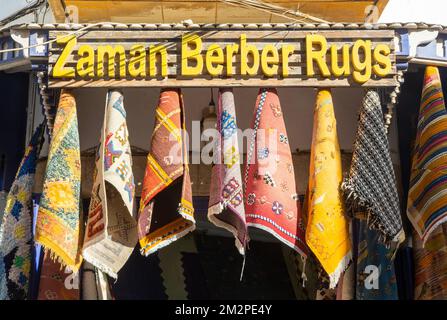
(427, 199)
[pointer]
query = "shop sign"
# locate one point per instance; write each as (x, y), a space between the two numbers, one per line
(222, 58)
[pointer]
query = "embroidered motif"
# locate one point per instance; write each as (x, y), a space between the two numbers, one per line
(290, 215)
(237, 199)
(231, 157)
(277, 207)
(230, 188)
(276, 108)
(168, 160)
(111, 154)
(263, 199)
(228, 125)
(263, 153)
(268, 179)
(284, 187)
(251, 198)
(122, 134)
(283, 138)
(119, 106)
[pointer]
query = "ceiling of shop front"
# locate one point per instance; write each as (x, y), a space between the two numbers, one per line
(210, 11)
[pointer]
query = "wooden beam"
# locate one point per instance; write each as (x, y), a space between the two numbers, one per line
(205, 10)
(58, 10)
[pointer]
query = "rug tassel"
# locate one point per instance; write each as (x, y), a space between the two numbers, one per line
(303, 274)
(243, 268)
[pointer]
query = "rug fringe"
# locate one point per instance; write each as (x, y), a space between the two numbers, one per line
(334, 277)
(167, 242)
(57, 256)
(99, 265)
(356, 203)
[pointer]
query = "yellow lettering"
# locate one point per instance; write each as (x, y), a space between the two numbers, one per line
(214, 60)
(359, 66)
(247, 50)
(163, 54)
(191, 54)
(111, 53)
(345, 69)
(269, 60)
(382, 67)
(286, 51)
(318, 56)
(85, 64)
(59, 69)
(137, 61)
(230, 50)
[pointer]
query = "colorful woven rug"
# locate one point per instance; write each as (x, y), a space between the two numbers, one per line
(226, 204)
(166, 210)
(376, 278)
(272, 203)
(371, 185)
(16, 228)
(57, 282)
(111, 232)
(327, 233)
(57, 227)
(427, 198)
(431, 265)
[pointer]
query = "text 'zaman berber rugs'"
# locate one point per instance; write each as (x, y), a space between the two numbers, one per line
(327, 232)
(166, 212)
(226, 204)
(111, 232)
(427, 198)
(272, 203)
(58, 220)
(15, 231)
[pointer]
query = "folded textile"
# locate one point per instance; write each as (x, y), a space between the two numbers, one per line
(16, 237)
(371, 186)
(58, 219)
(376, 278)
(427, 198)
(272, 203)
(226, 204)
(57, 282)
(327, 232)
(430, 263)
(111, 232)
(166, 211)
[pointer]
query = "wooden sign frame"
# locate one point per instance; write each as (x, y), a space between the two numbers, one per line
(173, 41)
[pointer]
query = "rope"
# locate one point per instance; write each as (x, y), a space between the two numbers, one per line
(274, 9)
(23, 12)
(75, 32)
